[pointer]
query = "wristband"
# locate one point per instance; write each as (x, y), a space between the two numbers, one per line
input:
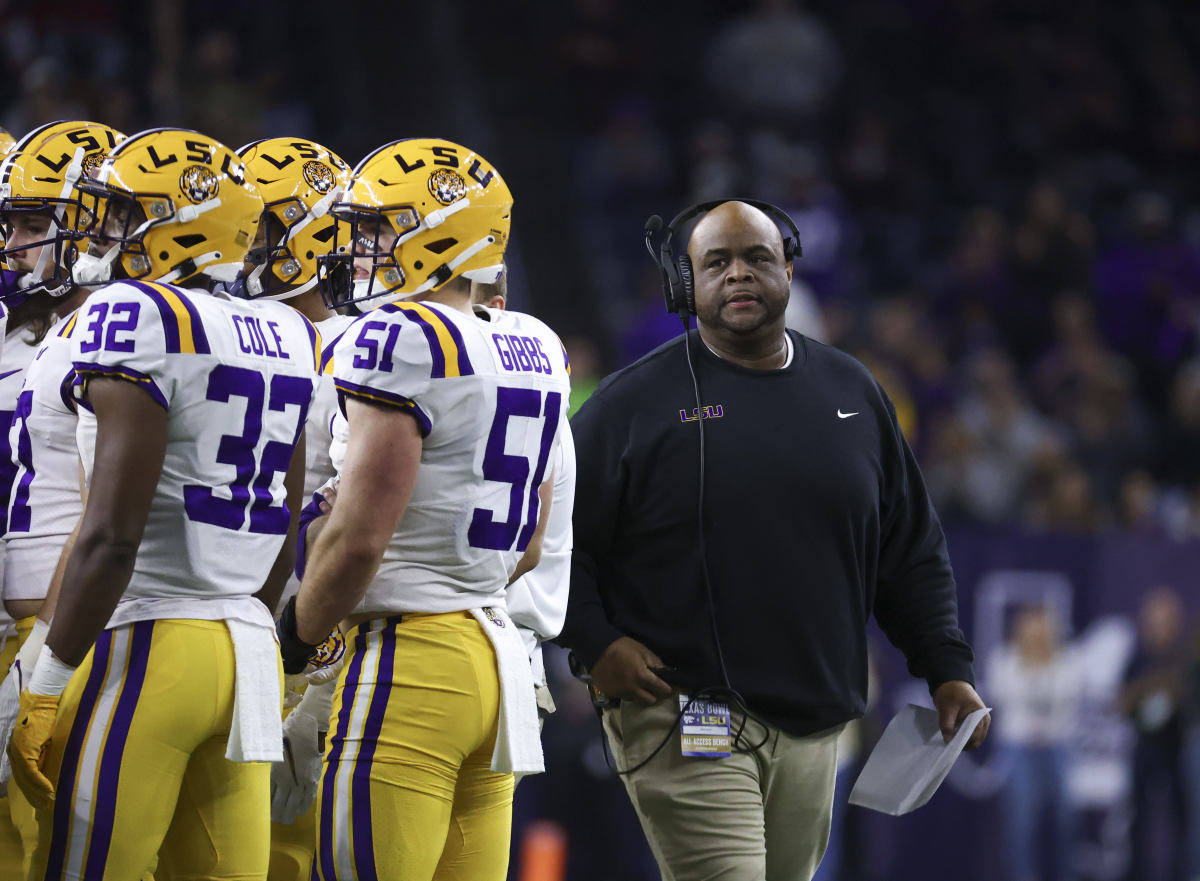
(31, 649)
(294, 650)
(51, 675)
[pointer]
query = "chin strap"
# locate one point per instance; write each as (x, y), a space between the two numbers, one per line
(91, 270)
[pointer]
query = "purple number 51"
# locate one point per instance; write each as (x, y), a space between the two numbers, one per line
(485, 530)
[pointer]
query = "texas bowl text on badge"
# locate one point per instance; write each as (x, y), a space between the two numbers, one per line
(493, 617)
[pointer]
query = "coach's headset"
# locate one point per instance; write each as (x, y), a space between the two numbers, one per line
(677, 278)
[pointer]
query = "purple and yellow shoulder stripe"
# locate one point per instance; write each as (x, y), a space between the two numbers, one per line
(182, 327)
(447, 348)
(68, 326)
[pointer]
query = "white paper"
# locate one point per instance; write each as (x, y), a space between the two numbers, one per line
(910, 761)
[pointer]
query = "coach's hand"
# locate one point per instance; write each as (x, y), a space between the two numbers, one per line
(955, 700)
(27, 749)
(624, 670)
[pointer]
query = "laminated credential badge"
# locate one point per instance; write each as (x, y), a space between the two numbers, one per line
(704, 729)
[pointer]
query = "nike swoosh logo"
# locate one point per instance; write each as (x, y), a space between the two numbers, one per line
(842, 415)
(9, 373)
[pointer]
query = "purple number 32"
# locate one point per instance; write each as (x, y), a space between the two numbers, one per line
(251, 487)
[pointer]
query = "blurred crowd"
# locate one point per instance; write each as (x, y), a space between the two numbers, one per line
(1000, 214)
(998, 201)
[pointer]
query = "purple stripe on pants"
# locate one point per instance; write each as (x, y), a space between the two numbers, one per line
(324, 868)
(114, 748)
(360, 786)
(65, 788)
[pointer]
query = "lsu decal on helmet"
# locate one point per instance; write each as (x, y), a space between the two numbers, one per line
(168, 205)
(417, 214)
(38, 207)
(298, 181)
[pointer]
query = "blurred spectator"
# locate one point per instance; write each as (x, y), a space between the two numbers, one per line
(973, 287)
(1052, 243)
(1064, 501)
(1153, 697)
(1138, 505)
(716, 169)
(1148, 284)
(776, 65)
(803, 313)
(1036, 685)
(1004, 433)
(1178, 458)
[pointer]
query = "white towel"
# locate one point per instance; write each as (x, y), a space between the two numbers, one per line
(257, 732)
(518, 740)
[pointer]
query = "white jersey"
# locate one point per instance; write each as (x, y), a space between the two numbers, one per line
(318, 429)
(19, 350)
(45, 502)
(236, 380)
(490, 398)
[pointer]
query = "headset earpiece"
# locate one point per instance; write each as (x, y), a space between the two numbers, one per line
(687, 286)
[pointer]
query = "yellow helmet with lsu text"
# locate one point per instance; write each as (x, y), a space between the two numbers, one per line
(298, 180)
(417, 214)
(38, 204)
(167, 205)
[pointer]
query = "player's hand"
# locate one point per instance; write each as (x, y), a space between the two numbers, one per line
(294, 780)
(27, 749)
(626, 670)
(10, 709)
(329, 494)
(955, 700)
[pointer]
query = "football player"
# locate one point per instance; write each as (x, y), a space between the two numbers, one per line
(537, 599)
(38, 204)
(298, 180)
(154, 707)
(453, 422)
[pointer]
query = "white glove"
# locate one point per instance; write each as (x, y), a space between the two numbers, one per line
(10, 706)
(294, 780)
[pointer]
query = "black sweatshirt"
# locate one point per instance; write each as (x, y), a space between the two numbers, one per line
(815, 515)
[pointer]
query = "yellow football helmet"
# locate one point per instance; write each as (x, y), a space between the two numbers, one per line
(169, 205)
(417, 214)
(7, 142)
(37, 195)
(298, 181)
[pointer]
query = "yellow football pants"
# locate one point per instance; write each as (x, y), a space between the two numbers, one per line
(138, 756)
(292, 847)
(18, 824)
(406, 788)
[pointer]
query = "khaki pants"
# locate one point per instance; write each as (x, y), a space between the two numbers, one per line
(755, 816)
